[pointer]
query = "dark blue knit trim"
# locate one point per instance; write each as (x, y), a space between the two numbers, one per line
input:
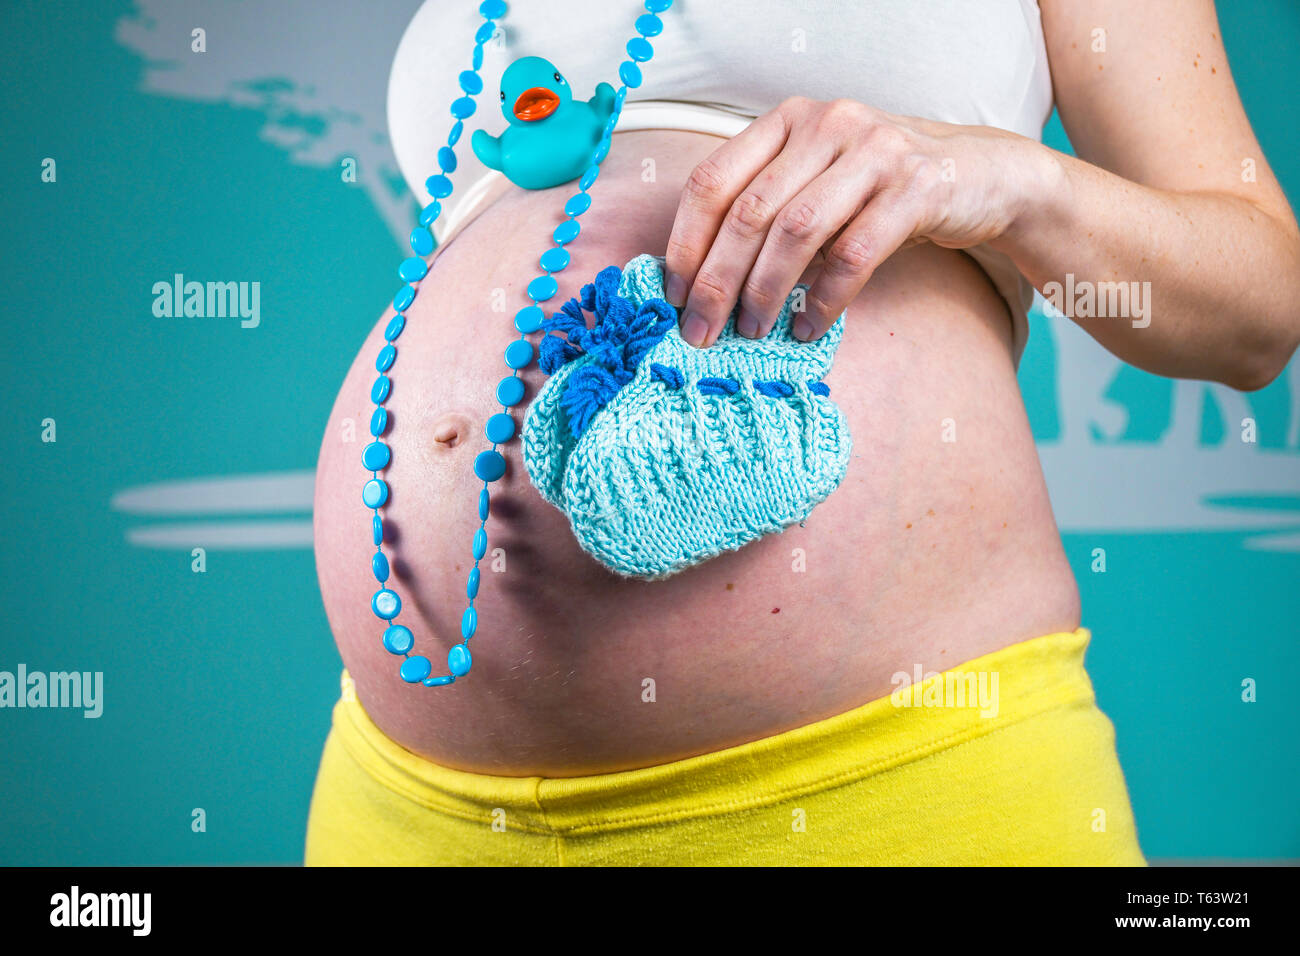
(674, 378)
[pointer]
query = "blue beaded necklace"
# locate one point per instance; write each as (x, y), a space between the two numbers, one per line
(489, 465)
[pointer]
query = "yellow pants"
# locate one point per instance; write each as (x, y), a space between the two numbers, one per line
(1023, 774)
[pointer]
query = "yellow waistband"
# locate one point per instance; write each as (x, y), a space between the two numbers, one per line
(1027, 678)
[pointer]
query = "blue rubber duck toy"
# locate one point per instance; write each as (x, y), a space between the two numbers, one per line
(551, 135)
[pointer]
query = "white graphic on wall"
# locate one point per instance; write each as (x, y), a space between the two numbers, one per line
(318, 72)
(241, 512)
(1098, 483)
(319, 75)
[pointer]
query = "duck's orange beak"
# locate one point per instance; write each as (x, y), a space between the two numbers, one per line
(536, 103)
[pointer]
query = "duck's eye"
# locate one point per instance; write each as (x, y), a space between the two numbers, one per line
(503, 96)
(558, 78)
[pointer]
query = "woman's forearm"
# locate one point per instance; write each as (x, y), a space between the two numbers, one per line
(1192, 285)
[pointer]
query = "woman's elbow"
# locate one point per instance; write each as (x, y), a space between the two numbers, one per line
(1272, 334)
(1260, 365)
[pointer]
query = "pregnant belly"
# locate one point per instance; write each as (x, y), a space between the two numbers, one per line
(939, 545)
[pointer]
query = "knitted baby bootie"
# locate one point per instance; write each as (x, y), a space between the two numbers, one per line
(663, 455)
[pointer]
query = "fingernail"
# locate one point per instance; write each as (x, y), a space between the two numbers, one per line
(676, 291)
(694, 329)
(803, 330)
(747, 325)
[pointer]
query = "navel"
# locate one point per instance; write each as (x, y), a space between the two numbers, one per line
(450, 429)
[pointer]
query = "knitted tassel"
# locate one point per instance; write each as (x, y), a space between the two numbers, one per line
(621, 337)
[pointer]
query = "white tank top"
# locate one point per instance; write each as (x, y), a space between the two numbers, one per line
(720, 63)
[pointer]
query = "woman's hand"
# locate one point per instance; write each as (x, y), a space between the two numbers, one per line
(839, 178)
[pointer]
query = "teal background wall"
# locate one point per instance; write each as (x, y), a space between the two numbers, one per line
(218, 685)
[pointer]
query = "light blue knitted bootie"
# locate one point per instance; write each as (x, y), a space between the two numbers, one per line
(664, 455)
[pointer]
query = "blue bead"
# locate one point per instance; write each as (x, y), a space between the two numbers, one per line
(542, 288)
(453, 137)
(619, 97)
(484, 504)
(429, 213)
(554, 259)
(413, 269)
(477, 59)
(630, 73)
(588, 178)
(566, 231)
(395, 326)
(398, 639)
(462, 108)
(376, 456)
(489, 465)
(440, 681)
(377, 530)
(439, 186)
(529, 318)
(519, 353)
(492, 9)
(479, 547)
(386, 604)
(639, 49)
(577, 205)
(471, 83)
(658, 6)
(602, 149)
(459, 660)
(374, 493)
(484, 32)
(421, 241)
(415, 669)
(469, 622)
(405, 296)
(649, 25)
(379, 391)
(510, 390)
(471, 585)
(500, 428)
(379, 422)
(384, 360)
(379, 565)
(446, 159)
